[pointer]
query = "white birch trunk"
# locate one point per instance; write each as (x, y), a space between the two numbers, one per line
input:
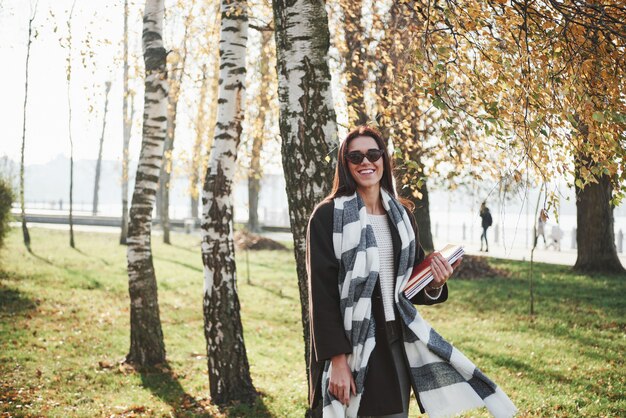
(307, 121)
(229, 375)
(127, 121)
(146, 337)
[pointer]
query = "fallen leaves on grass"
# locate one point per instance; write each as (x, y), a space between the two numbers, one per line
(474, 267)
(250, 241)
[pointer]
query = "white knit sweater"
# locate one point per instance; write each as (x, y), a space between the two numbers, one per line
(380, 225)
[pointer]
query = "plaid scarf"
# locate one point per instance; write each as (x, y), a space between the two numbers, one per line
(446, 380)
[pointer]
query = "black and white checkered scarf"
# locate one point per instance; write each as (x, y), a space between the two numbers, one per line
(447, 381)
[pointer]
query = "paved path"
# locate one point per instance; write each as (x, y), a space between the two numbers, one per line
(564, 257)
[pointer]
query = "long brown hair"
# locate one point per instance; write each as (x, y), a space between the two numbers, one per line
(345, 185)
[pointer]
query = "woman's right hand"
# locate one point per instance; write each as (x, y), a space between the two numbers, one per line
(341, 381)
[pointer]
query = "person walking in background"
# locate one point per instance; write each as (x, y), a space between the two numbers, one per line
(486, 223)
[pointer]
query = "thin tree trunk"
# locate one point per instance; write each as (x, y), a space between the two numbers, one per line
(25, 233)
(69, 121)
(422, 217)
(256, 171)
(127, 121)
(197, 146)
(595, 234)
(146, 337)
(96, 186)
(229, 371)
(307, 122)
(254, 182)
(356, 60)
(176, 78)
(393, 112)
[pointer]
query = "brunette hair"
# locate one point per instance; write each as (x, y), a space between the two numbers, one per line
(344, 184)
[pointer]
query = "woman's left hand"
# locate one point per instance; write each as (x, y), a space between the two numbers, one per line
(442, 270)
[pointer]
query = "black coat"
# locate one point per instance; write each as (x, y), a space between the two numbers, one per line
(328, 338)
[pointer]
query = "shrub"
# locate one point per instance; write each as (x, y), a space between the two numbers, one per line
(6, 200)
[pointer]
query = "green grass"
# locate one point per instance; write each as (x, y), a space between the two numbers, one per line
(64, 327)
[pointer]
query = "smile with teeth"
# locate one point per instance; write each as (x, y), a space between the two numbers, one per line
(366, 171)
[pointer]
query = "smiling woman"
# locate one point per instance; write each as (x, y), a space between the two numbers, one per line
(369, 345)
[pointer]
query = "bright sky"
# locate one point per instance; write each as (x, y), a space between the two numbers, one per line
(47, 111)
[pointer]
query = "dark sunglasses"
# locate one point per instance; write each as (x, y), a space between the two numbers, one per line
(356, 157)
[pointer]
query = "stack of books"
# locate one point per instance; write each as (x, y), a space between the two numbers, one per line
(422, 273)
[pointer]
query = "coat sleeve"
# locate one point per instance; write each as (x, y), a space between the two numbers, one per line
(421, 298)
(327, 331)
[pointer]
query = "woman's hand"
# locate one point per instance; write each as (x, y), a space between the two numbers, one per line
(442, 270)
(341, 382)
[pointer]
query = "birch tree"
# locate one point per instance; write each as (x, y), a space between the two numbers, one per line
(146, 337)
(307, 121)
(96, 186)
(25, 232)
(68, 70)
(229, 374)
(265, 104)
(127, 125)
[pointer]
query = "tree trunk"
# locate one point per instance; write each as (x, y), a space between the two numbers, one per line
(254, 181)
(25, 232)
(146, 337)
(393, 111)
(422, 216)
(595, 234)
(127, 121)
(229, 371)
(69, 124)
(200, 129)
(307, 122)
(356, 60)
(256, 170)
(96, 186)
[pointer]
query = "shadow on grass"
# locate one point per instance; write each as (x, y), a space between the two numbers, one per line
(279, 293)
(13, 302)
(194, 249)
(164, 384)
(40, 258)
(180, 263)
(543, 376)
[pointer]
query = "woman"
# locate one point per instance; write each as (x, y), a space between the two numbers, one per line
(368, 343)
(485, 222)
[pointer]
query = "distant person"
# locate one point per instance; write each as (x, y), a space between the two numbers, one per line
(486, 222)
(555, 238)
(541, 226)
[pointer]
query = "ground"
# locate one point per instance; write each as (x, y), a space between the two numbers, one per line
(64, 329)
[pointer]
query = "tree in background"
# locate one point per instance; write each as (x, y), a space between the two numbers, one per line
(307, 121)
(146, 336)
(127, 121)
(96, 186)
(356, 60)
(261, 110)
(68, 71)
(206, 116)
(177, 68)
(228, 368)
(401, 115)
(6, 201)
(25, 233)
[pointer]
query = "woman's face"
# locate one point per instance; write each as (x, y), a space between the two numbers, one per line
(366, 174)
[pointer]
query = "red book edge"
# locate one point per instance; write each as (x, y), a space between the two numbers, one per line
(420, 272)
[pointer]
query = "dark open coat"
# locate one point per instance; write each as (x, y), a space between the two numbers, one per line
(381, 394)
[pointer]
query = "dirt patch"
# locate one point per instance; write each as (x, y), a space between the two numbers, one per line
(246, 240)
(474, 267)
